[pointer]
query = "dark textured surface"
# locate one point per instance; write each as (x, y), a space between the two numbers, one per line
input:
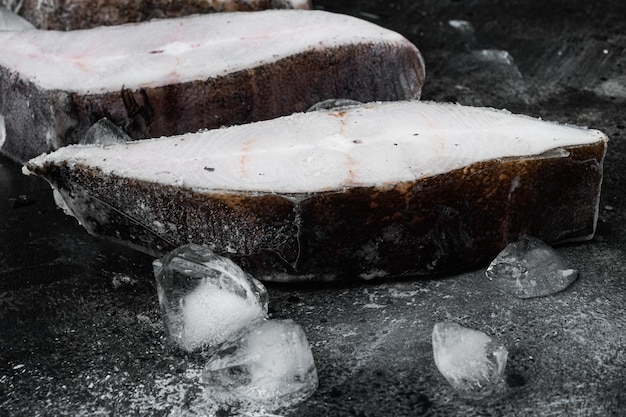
(80, 330)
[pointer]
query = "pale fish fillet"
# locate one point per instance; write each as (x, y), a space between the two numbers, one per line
(381, 189)
(84, 14)
(174, 76)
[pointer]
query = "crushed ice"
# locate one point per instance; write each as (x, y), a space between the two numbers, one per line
(531, 268)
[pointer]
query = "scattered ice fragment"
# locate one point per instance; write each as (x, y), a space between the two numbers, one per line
(530, 268)
(105, 132)
(472, 362)
(464, 27)
(269, 367)
(333, 104)
(122, 281)
(206, 299)
(9, 20)
(495, 55)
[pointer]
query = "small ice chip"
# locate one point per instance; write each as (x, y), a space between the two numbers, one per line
(530, 268)
(105, 132)
(269, 367)
(10, 20)
(333, 104)
(206, 299)
(463, 26)
(472, 362)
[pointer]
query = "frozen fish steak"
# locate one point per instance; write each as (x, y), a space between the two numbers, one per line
(173, 76)
(85, 14)
(381, 189)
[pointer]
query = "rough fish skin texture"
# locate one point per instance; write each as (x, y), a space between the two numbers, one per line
(437, 189)
(173, 76)
(83, 14)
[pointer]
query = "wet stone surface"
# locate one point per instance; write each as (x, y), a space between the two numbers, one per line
(74, 341)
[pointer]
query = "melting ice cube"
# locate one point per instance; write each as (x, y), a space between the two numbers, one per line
(269, 367)
(206, 299)
(530, 268)
(472, 362)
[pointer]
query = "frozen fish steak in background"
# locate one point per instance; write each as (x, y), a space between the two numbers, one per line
(85, 14)
(381, 189)
(174, 76)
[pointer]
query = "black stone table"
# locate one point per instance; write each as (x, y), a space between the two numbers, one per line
(80, 330)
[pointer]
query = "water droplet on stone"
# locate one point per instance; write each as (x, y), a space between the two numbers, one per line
(471, 361)
(531, 268)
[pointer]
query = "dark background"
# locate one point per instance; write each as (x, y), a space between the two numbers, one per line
(80, 330)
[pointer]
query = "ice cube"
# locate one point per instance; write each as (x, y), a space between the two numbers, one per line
(206, 299)
(531, 268)
(105, 132)
(269, 367)
(471, 361)
(10, 20)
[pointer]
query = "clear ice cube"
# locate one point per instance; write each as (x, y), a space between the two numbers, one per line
(471, 361)
(105, 132)
(10, 20)
(269, 367)
(206, 299)
(531, 268)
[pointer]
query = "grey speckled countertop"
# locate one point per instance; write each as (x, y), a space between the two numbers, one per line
(80, 330)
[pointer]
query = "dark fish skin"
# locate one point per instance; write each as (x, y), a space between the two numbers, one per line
(40, 121)
(448, 223)
(73, 14)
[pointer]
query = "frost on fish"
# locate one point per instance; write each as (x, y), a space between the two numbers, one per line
(173, 76)
(381, 189)
(82, 14)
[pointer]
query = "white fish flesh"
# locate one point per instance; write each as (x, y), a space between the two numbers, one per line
(84, 14)
(174, 76)
(381, 189)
